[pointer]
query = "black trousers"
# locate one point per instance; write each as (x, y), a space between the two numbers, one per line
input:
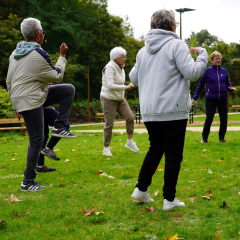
(34, 120)
(165, 137)
(211, 106)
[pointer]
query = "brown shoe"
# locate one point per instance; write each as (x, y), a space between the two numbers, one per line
(45, 169)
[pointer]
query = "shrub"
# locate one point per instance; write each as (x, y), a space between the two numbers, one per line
(6, 110)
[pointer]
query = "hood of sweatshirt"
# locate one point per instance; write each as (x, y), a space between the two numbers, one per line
(156, 39)
(24, 48)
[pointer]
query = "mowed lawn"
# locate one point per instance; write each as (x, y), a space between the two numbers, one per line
(55, 213)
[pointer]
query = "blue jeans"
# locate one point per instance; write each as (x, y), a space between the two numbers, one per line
(50, 115)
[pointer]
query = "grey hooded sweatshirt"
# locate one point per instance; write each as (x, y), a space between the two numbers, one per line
(161, 72)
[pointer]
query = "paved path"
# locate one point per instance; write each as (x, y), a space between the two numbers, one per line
(143, 130)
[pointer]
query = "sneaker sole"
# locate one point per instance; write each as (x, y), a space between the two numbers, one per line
(132, 149)
(62, 136)
(107, 155)
(32, 190)
(43, 153)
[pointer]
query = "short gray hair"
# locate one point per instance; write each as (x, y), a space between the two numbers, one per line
(117, 52)
(163, 19)
(29, 26)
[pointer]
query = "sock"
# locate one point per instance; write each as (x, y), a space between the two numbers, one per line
(55, 128)
(39, 166)
(129, 141)
(47, 148)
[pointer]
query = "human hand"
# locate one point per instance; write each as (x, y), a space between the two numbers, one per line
(195, 49)
(18, 115)
(232, 89)
(63, 50)
(130, 86)
(192, 101)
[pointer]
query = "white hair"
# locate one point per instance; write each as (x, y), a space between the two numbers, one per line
(29, 26)
(117, 52)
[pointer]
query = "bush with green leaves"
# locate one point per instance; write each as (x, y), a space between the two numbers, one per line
(6, 110)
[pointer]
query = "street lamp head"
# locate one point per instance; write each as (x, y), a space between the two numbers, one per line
(181, 10)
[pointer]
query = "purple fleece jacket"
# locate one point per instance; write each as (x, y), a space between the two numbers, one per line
(217, 84)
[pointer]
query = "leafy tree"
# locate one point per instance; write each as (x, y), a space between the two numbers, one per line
(10, 36)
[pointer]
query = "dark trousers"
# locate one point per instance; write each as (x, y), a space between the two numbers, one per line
(165, 137)
(211, 106)
(50, 115)
(34, 120)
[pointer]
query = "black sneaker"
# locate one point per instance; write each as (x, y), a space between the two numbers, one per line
(45, 169)
(62, 133)
(204, 141)
(222, 140)
(31, 187)
(50, 153)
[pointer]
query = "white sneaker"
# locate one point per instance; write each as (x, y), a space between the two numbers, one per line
(132, 146)
(107, 152)
(141, 196)
(175, 203)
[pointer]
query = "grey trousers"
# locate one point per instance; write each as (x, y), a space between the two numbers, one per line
(110, 108)
(34, 120)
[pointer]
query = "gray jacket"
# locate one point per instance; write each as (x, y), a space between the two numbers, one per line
(161, 72)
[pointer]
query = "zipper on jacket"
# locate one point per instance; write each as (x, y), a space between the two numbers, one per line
(218, 84)
(207, 92)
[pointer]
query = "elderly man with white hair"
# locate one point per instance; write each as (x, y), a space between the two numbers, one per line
(112, 99)
(29, 74)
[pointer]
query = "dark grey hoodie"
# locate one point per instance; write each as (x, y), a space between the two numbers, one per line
(161, 72)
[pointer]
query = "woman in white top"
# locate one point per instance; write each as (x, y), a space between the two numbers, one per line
(112, 99)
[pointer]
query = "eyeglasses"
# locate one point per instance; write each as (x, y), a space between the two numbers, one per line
(217, 59)
(177, 23)
(44, 32)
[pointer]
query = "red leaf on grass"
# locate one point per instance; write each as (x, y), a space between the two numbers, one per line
(25, 214)
(151, 209)
(98, 172)
(108, 196)
(15, 214)
(2, 222)
(88, 213)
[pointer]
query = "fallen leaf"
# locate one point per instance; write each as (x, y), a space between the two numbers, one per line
(220, 160)
(38, 226)
(15, 214)
(192, 181)
(204, 156)
(14, 154)
(74, 150)
(173, 237)
(88, 213)
(2, 222)
(111, 177)
(108, 196)
(62, 179)
(203, 169)
(25, 214)
(238, 193)
(14, 159)
(151, 209)
(97, 213)
(14, 199)
(209, 171)
(224, 205)
(50, 185)
(156, 193)
(80, 171)
(208, 195)
(107, 159)
(67, 160)
(103, 174)
(216, 238)
(159, 169)
(98, 172)
(204, 150)
(208, 190)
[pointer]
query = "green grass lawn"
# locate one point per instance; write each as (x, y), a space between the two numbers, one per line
(231, 117)
(55, 213)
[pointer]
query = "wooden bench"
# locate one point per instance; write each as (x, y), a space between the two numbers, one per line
(235, 107)
(13, 121)
(100, 116)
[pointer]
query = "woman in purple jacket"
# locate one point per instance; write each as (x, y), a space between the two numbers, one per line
(216, 96)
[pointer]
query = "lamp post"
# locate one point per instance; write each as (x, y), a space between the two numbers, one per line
(182, 10)
(88, 62)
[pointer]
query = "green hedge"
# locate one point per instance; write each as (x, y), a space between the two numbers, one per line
(6, 110)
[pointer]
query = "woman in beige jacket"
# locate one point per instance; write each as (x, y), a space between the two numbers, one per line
(29, 74)
(112, 99)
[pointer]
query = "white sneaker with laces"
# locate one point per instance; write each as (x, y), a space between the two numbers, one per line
(175, 203)
(106, 151)
(132, 146)
(141, 196)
